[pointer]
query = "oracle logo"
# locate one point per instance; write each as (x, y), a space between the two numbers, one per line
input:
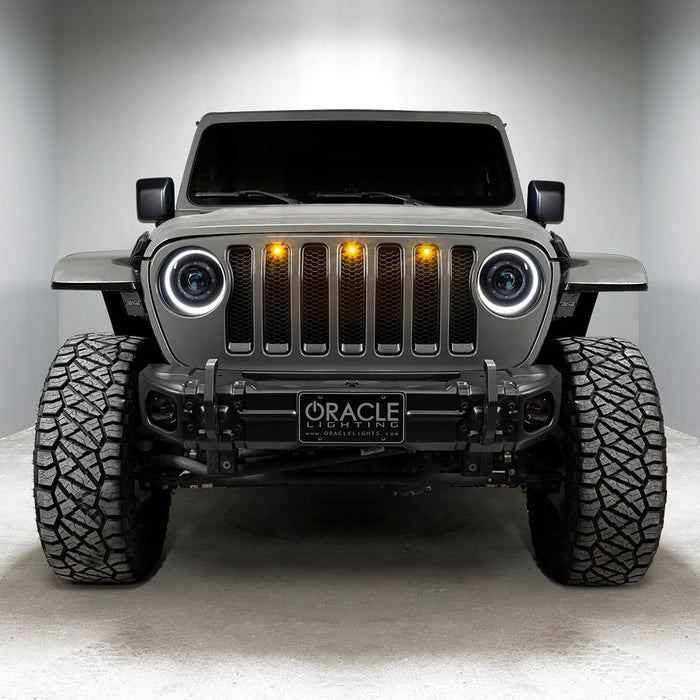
(365, 412)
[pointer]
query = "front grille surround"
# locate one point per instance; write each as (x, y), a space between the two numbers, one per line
(191, 342)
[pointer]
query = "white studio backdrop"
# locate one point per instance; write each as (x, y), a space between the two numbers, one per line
(670, 235)
(107, 92)
(28, 232)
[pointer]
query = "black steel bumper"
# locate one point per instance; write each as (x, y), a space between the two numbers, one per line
(222, 411)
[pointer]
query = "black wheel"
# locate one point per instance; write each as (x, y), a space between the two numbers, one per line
(96, 524)
(602, 527)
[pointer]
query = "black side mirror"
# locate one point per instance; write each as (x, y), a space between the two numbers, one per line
(545, 202)
(155, 199)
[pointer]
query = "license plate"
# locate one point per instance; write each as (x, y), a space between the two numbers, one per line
(351, 418)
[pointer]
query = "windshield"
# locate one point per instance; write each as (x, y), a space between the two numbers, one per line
(442, 163)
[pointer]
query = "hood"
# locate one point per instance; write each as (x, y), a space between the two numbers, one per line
(360, 218)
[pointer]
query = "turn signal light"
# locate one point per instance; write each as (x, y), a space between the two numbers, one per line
(425, 251)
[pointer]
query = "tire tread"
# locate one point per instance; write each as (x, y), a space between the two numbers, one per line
(615, 467)
(84, 483)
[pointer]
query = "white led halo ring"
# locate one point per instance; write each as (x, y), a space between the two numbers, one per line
(532, 295)
(167, 275)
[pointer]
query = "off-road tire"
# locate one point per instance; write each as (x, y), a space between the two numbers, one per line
(603, 527)
(96, 524)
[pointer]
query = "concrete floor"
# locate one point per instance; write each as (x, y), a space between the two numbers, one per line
(328, 593)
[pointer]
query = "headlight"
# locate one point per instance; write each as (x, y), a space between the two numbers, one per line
(192, 282)
(510, 282)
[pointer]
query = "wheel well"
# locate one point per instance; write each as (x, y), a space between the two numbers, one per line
(571, 318)
(128, 316)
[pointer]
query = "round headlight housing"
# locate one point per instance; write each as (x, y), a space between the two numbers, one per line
(192, 282)
(510, 282)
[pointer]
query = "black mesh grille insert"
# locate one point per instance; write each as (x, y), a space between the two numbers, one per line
(426, 300)
(276, 300)
(309, 307)
(239, 311)
(462, 311)
(314, 299)
(389, 301)
(351, 299)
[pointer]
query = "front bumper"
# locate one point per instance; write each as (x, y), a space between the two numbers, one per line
(224, 411)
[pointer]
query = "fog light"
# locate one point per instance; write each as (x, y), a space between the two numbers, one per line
(538, 412)
(162, 410)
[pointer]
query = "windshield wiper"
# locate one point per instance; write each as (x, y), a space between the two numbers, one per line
(372, 194)
(239, 194)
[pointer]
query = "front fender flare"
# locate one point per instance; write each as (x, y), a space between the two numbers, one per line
(104, 270)
(601, 272)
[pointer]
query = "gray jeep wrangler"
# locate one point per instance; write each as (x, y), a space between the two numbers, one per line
(345, 298)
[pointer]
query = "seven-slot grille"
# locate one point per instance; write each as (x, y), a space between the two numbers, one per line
(351, 299)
